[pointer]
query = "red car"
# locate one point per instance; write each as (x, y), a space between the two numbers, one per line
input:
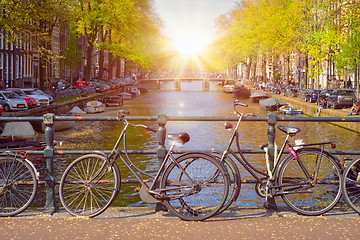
(31, 102)
(1, 110)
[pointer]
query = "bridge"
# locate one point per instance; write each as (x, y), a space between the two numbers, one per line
(177, 81)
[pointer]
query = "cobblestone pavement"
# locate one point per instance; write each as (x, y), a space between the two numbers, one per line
(144, 223)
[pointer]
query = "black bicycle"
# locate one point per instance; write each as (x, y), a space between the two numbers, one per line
(351, 184)
(186, 185)
(18, 183)
(308, 178)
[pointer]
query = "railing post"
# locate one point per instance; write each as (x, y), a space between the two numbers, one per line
(206, 84)
(271, 204)
(161, 134)
(177, 84)
(161, 150)
(50, 205)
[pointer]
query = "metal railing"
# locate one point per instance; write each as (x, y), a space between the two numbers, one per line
(49, 152)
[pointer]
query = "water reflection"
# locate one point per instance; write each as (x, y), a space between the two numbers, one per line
(192, 101)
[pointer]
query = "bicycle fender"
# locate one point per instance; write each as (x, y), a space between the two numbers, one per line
(293, 153)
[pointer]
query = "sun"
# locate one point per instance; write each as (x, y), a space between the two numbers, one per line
(189, 46)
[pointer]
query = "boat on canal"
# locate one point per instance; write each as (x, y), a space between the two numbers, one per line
(228, 88)
(271, 104)
(20, 136)
(257, 95)
(287, 109)
(94, 107)
(241, 92)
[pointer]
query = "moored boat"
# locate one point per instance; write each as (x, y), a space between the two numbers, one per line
(134, 91)
(271, 104)
(241, 92)
(257, 95)
(94, 107)
(125, 95)
(290, 110)
(20, 136)
(228, 88)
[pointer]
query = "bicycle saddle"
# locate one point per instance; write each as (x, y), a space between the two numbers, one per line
(182, 137)
(289, 130)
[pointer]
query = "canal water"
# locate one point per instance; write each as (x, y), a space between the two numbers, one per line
(191, 101)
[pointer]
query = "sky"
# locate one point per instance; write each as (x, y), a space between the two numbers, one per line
(191, 23)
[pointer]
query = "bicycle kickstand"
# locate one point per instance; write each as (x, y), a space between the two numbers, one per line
(269, 203)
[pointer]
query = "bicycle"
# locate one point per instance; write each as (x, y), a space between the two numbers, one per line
(18, 183)
(351, 185)
(186, 185)
(308, 178)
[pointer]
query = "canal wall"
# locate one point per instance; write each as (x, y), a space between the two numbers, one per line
(63, 108)
(311, 109)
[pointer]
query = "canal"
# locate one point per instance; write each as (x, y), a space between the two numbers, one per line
(190, 101)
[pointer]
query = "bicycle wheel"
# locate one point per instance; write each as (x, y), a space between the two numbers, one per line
(351, 185)
(18, 185)
(88, 186)
(234, 184)
(302, 193)
(203, 194)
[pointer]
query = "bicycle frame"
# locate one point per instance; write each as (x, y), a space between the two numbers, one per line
(116, 152)
(254, 172)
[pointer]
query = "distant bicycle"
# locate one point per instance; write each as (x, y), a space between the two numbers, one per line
(193, 186)
(18, 183)
(351, 184)
(308, 178)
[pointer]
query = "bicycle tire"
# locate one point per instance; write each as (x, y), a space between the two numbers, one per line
(82, 193)
(317, 199)
(202, 200)
(18, 186)
(234, 184)
(351, 185)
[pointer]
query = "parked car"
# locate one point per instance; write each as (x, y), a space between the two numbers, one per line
(51, 98)
(60, 85)
(291, 91)
(42, 100)
(311, 96)
(31, 102)
(12, 102)
(341, 98)
(324, 94)
(1, 110)
(99, 86)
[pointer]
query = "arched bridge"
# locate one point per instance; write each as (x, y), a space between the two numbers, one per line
(177, 81)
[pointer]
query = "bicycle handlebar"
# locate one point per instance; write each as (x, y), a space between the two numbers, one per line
(237, 103)
(121, 116)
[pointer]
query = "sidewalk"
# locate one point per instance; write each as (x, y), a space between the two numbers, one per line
(144, 223)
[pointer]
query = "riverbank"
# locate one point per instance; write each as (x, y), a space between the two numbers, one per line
(312, 109)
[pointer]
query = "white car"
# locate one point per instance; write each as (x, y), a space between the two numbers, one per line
(12, 102)
(51, 98)
(41, 99)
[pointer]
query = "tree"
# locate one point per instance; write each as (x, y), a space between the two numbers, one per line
(73, 53)
(33, 21)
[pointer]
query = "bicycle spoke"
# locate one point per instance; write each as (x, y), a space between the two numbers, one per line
(87, 188)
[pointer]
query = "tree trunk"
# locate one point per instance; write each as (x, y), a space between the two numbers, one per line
(101, 65)
(118, 67)
(87, 68)
(264, 69)
(288, 69)
(42, 72)
(306, 75)
(111, 65)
